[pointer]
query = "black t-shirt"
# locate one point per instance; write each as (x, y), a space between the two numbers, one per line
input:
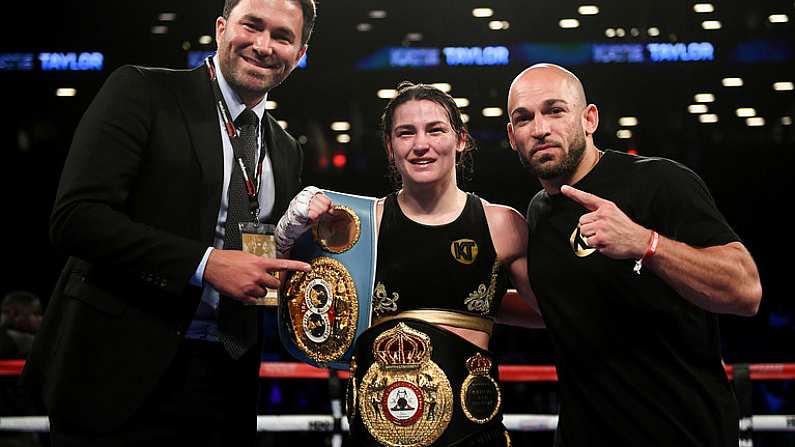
(637, 363)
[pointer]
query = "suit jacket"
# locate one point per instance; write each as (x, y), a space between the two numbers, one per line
(136, 209)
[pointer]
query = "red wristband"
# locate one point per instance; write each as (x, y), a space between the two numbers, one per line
(651, 249)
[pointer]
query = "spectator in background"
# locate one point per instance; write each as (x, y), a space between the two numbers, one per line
(19, 322)
(20, 317)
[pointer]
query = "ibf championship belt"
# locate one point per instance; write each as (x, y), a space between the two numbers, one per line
(322, 312)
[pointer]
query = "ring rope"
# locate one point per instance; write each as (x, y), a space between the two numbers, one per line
(325, 423)
(508, 373)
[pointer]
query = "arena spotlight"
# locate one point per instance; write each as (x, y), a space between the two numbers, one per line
(703, 8)
(732, 82)
(745, 112)
(569, 23)
(704, 97)
(482, 12)
(708, 118)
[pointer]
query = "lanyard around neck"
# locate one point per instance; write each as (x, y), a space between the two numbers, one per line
(251, 180)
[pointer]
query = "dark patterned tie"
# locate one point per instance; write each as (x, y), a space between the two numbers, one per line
(237, 323)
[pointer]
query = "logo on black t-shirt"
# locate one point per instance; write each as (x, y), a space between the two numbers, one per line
(581, 249)
(464, 250)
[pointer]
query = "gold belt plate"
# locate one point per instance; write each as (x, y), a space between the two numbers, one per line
(323, 309)
(405, 399)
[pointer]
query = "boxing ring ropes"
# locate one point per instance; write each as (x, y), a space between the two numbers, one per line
(335, 422)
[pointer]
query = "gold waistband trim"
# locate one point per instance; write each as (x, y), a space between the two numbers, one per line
(445, 317)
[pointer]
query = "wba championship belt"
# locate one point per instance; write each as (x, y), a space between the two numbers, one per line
(322, 312)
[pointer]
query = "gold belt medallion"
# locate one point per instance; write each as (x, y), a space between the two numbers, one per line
(480, 393)
(405, 399)
(323, 309)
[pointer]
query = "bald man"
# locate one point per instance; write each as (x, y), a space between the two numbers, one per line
(630, 268)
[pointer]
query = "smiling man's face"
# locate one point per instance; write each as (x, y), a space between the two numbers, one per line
(259, 44)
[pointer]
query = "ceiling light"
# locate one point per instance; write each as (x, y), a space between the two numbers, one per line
(414, 37)
(464, 117)
(159, 29)
(271, 105)
(708, 118)
(205, 39)
(620, 32)
(363, 27)
(497, 25)
(711, 24)
(732, 82)
(482, 12)
(624, 134)
(782, 86)
(588, 10)
(166, 17)
(786, 120)
(635, 32)
(443, 86)
(610, 32)
(282, 124)
(697, 108)
(492, 112)
(654, 31)
(703, 8)
(461, 102)
(755, 121)
(704, 97)
(778, 18)
(387, 93)
(340, 126)
(343, 138)
(745, 112)
(377, 14)
(65, 92)
(627, 121)
(569, 23)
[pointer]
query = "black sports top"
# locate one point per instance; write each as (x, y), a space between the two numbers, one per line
(451, 267)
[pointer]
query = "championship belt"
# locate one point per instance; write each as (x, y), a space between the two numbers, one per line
(405, 399)
(414, 384)
(322, 312)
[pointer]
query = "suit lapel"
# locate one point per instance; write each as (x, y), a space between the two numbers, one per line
(201, 119)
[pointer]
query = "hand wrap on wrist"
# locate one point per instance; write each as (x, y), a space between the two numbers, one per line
(295, 221)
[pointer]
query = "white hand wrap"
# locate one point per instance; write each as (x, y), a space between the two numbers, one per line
(295, 221)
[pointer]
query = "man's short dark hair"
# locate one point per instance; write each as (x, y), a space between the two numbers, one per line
(307, 7)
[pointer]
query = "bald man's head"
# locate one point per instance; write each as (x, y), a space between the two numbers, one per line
(551, 123)
(552, 75)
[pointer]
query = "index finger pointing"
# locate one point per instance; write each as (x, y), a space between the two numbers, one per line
(586, 199)
(287, 264)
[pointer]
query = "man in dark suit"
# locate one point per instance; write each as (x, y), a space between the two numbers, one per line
(130, 350)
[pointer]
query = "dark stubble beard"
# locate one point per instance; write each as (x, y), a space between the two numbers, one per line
(547, 170)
